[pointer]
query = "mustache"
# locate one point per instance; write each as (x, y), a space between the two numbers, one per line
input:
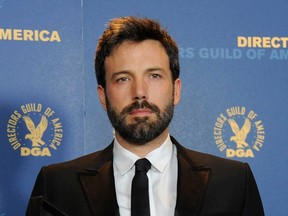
(141, 105)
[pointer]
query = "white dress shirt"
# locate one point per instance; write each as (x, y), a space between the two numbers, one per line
(162, 178)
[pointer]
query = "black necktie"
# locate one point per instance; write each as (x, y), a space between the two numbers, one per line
(140, 193)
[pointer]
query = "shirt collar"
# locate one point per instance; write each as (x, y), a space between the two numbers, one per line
(159, 158)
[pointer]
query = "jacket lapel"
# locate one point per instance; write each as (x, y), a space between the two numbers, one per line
(192, 183)
(98, 185)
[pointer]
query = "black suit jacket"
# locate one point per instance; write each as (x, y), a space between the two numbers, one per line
(207, 185)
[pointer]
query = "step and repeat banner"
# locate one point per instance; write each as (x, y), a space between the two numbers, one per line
(234, 70)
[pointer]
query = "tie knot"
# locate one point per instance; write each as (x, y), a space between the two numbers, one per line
(142, 165)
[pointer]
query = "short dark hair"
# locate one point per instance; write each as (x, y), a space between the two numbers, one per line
(133, 29)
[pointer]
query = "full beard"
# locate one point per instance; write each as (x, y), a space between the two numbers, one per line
(143, 130)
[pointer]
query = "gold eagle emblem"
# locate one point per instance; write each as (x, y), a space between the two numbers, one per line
(240, 135)
(36, 133)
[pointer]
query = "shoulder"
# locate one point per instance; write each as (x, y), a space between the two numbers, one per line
(196, 158)
(208, 159)
(90, 161)
(222, 171)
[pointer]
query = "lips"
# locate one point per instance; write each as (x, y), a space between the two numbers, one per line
(141, 111)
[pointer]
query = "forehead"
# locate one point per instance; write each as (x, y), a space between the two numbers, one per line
(130, 43)
(144, 52)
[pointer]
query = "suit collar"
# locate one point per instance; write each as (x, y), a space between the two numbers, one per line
(193, 179)
(99, 187)
(98, 184)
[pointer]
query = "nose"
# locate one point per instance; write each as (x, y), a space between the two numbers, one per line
(139, 89)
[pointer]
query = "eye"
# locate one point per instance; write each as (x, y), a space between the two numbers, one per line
(155, 76)
(122, 79)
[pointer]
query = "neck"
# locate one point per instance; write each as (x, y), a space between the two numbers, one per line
(144, 149)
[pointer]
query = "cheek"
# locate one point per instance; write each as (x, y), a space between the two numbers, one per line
(117, 98)
(161, 95)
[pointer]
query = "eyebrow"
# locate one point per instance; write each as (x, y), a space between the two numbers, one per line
(154, 69)
(120, 73)
(127, 72)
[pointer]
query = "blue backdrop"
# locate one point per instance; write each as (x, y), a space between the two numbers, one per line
(233, 57)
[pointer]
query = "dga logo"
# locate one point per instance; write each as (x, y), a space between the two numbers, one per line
(239, 133)
(34, 130)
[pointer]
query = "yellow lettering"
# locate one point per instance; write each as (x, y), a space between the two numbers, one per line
(275, 42)
(25, 151)
(58, 135)
(9, 130)
(13, 135)
(17, 34)
(49, 112)
(12, 122)
(256, 41)
(29, 35)
(230, 153)
(35, 152)
(236, 111)
(53, 146)
(45, 152)
(55, 37)
(259, 125)
(266, 42)
(262, 42)
(58, 131)
(217, 132)
(249, 153)
(43, 35)
(241, 41)
(5, 34)
(220, 144)
(284, 40)
(239, 153)
(36, 35)
(31, 108)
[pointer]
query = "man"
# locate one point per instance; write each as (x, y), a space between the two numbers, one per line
(137, 70)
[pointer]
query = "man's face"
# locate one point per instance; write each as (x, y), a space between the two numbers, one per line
(139, 95)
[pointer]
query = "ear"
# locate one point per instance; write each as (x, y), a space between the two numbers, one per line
(177, 91)
(101, 95)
